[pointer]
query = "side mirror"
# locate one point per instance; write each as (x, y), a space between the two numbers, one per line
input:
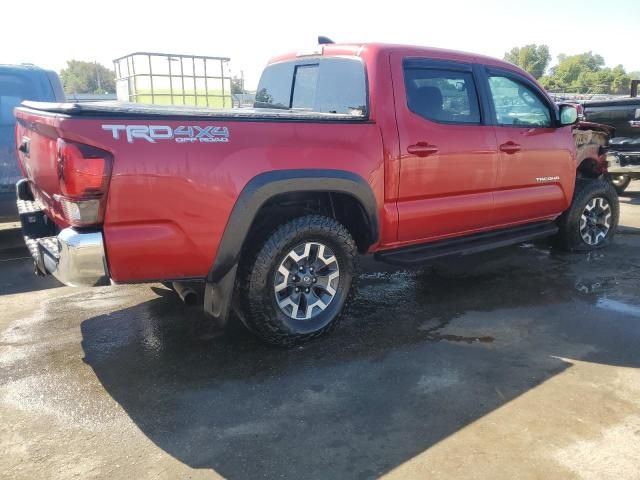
(568, 115)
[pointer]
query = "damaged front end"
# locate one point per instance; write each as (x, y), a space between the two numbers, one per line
(592, 147)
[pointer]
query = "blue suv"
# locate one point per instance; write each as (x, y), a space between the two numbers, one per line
(18, 83)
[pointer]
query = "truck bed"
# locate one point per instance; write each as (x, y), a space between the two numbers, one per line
(138, 110)
(622, 114)
(171, 200)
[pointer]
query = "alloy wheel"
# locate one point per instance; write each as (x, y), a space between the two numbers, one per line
(595, 221)
(306, 280)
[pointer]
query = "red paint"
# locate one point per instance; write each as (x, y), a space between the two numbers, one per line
(168, 203)
(448, 191)
(543, 152)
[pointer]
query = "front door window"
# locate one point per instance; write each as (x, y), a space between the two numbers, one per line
(517, 105)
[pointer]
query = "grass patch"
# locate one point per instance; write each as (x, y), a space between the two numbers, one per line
(194, 98)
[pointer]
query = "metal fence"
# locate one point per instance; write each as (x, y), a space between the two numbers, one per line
(577, 97)
(173, 79)
(243, 100)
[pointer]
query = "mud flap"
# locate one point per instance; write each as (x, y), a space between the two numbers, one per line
(218, 297)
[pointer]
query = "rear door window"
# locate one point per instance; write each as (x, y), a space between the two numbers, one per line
(442, 95)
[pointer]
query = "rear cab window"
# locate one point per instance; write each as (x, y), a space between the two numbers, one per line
(330, 85)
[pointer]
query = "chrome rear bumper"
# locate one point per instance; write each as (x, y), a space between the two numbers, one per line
(75, 258)
(80, 259)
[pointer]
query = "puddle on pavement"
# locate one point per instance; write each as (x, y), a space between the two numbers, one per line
(430, 299)
(460, 338)
(470, 301)
(618, 306)
(597, 285)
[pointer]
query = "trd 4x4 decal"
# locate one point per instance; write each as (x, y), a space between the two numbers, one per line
(181, 134)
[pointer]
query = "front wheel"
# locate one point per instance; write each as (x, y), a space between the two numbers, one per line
(620, 182)
(592, 219)
(295, 287)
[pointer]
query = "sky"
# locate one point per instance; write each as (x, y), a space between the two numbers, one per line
(48, 33)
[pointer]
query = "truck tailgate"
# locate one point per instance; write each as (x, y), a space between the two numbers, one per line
(36, 137)
(68, 175)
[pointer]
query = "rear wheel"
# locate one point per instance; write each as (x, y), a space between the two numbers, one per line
(295, 286)
(620, 182)
(591, 220)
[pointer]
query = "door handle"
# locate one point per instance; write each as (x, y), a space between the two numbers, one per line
(422, 149)
(510, 147)
(634, 123)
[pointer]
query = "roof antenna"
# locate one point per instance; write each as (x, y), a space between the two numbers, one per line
(322, 40)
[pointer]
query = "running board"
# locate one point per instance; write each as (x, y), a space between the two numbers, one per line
(479, 242)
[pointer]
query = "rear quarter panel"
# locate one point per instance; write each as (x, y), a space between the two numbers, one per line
(168, 203)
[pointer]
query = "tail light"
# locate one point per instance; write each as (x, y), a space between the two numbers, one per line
(84, 173)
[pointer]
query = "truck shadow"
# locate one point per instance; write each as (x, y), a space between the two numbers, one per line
(16, 274)
(630, 197)
(421, 355)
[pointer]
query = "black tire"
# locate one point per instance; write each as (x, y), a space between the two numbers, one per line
(569, 235)
(257, 281)
(620, 182)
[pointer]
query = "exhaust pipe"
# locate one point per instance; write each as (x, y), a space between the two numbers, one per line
(187, 294)
(37, 270)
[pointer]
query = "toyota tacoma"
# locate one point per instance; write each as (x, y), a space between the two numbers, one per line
(408, 153)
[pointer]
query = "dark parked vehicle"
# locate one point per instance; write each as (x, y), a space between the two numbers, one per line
(18, 83)
(624, 115)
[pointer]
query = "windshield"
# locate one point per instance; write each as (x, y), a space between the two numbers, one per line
(324, 85)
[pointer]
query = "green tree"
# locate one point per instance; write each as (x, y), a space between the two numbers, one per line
(573, 71)
(586, 73)
(263, 96)
(87, 77)
(237, 85)
(635, 75)
(532, 58)
(620, 80)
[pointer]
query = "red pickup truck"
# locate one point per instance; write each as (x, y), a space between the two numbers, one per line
(409, 153)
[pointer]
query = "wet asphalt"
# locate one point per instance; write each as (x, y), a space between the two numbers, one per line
(518, 363)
